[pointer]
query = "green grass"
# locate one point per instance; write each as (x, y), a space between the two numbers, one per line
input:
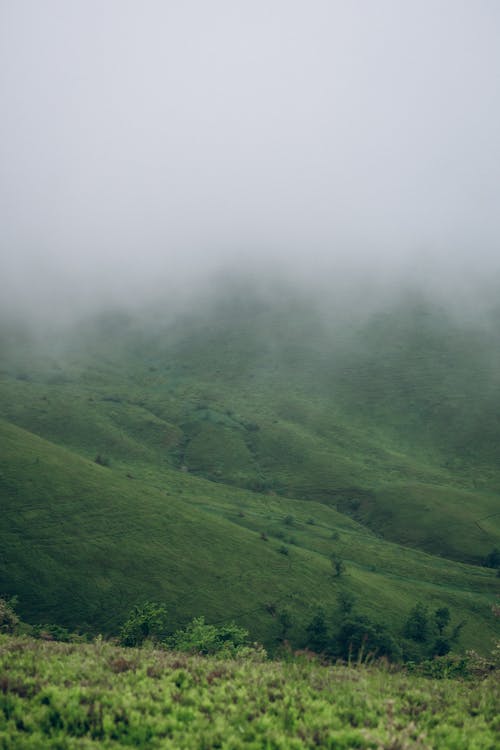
(98, 696)
(219, 426)
(82, 543)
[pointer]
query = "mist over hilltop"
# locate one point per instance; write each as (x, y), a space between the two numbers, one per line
(148, 148)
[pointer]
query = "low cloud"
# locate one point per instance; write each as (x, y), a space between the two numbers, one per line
(146, 147)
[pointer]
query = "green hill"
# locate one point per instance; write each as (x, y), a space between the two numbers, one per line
(238, 449)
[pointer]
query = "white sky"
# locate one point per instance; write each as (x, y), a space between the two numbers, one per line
(152, 141)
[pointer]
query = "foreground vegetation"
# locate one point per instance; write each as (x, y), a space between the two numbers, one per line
(69, 696)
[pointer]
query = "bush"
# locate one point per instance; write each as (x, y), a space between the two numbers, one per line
(101, 460)
(200, 638)
(317, 633)
(8, 618)
(338, 565)
(417, 624)
(359, 638)
(147, 622)
(492, 559)
(53, 633)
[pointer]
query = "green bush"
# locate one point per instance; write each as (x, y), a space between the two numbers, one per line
(317, 633)
(146, 622)
(8, 618)
(417, 624)
(359, 639)
(50, 632)
(198, 637)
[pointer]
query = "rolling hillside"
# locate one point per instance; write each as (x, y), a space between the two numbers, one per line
(217, 461)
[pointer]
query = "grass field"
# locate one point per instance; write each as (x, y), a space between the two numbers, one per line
(70, 696)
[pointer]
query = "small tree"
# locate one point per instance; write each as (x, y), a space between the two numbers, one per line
(337, 565)
(492, 559)
(145, 622)
(317, 633)
(442, 618)
(8, 618)
(346, 601)
(417, 624)
(286, 622)
(360, 638)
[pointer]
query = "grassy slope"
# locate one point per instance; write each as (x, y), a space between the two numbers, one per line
(99, 696)
(82, 543)
(392, 420)
(255, 396)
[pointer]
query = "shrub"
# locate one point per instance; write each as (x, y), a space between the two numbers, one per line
(286, 622)
(317, 633)
(198, 637)
(53, 633)
(417, 624)
(8, 618)
(359, 638)
(442, 618)
(346, 601)
(492, 559)
(101, 460)
(147, 622)
(338, 565)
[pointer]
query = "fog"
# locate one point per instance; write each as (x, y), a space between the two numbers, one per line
(148, 146)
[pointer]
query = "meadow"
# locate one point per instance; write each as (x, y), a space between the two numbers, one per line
(71, 696)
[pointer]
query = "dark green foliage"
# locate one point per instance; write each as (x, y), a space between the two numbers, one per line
(338, 565)
(417, 624)
(8, 617)
(346, 601)
(201, 638)
(447, 666)
(101, 460)
(358, 638)
(442, 618)
(285, 620)
(51, 632)
(146, 622)
(431, 633)
(492, 559)
(317, 633)
(441, 647)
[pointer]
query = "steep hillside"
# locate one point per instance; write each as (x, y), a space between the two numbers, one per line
(217, 461)
(82, 543)
(393, 419)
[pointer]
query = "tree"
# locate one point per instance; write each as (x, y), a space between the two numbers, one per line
(492, 559)
(145, 622)
(346, 601)
(359, 637)
(417, 624)
(286, 622)
(442, 618)
(317, 633)
(337, 565)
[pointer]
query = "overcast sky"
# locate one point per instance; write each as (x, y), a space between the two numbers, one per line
(148, 140)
